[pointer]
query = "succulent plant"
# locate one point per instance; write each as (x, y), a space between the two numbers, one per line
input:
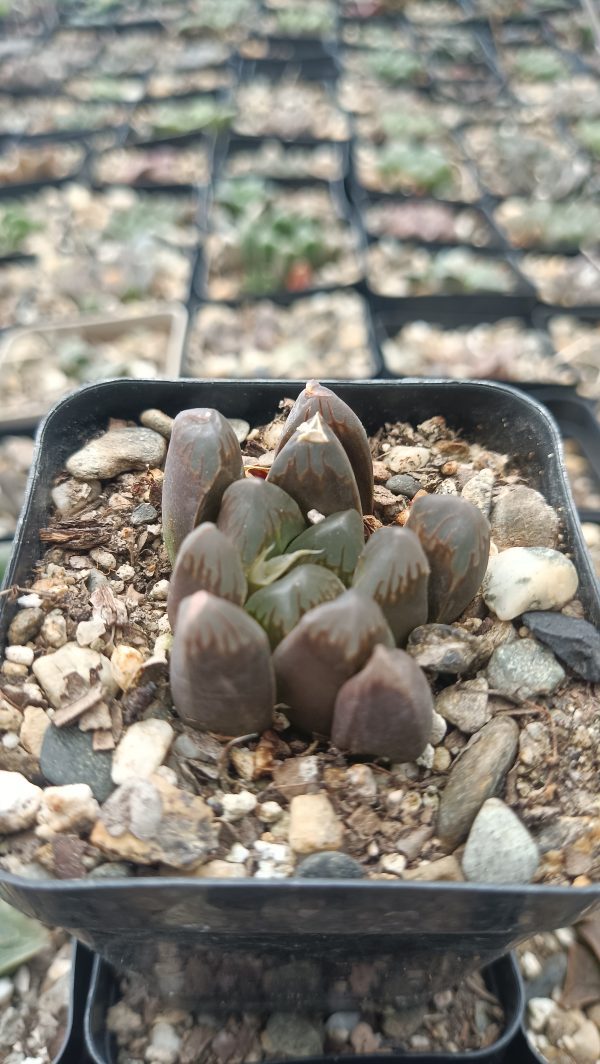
(259, 600)
(394, 570)
(314, 399)
(386, 710)
(456, 539)
(207, 561)
(338, 539)
(203, 459)
(315, 470)
(329, 645)
(255, 515)
(279, 607)
(221, 670)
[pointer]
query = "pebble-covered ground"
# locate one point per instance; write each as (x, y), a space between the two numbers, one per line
(34, 1005)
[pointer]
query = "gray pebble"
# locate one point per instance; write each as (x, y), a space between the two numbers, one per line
(287, 1035)
(143, 514)
(340, 1025)
(478, 490)
(475, 776)
(521, 517)
(523, 669)
(67, 756)
(499, 848)
(95, 580)
(329, 865)
(71, 496)
(117, 451)
(403, 484)
(112, 870)
(574, 641)
(466, 705)
(552, 975)
(157, 420)
(442, 648)
(25, 625)
(240, 427)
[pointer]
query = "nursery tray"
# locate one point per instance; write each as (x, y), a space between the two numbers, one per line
(179, 931)
(502, 978)
(172, 321)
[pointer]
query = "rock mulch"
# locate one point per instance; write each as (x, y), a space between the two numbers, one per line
(96, 768)
(34, 1005)
(147, 1028)
(562, 986)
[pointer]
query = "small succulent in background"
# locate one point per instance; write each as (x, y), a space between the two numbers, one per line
(394, 570)
(456, 539)
(386, 710)
(203, 459)
(265, 604)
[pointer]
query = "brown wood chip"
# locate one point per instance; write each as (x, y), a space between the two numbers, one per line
(103, 740)
(67, 714)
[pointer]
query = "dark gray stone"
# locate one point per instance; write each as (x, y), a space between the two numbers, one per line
(329, 865)
(403, 484)
(95, 580)
(575, 642)
(287, 1035)
(143, 514)
(67, 756)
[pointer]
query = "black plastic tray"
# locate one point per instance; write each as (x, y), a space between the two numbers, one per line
(432, 933)
(502, 978)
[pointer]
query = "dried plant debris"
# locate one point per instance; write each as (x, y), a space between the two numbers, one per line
(88, 717)
(325, 333)
(483, 351)
(562, 987)
(458, 1020)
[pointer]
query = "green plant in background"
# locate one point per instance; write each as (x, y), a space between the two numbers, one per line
(422, 167)
(187, 116)
(15, 226)
(460, 270)
(408, 124)
(266, 605)
(20, 938)
(312, 20)
(587, 130)
(538, 64)
(216, 17)
(567, 226)
(395, 67)
(156, 216)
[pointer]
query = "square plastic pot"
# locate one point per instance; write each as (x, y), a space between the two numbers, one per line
(502, 978)
(224, 939)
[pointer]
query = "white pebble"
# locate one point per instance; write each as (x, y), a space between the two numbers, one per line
(19, 802)
(10, 740)
(159, 591)
(566, 936)
(19, 655)
(540, 1011)
(439, 728)
(236, 806)
(87, 631)
(269, 812)
(126, 572)
(237, 854)
(141, 750)
(530, 965)
(426, 758)
(394, 863)
(528, 578)
(22, 980)
(272, 851)
(6, 991)
(30, 601)
(125, 664)
(70, 808)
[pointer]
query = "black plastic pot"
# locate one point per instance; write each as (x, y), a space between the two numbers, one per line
(502, 978)
(73, 1050)
(185, 934)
